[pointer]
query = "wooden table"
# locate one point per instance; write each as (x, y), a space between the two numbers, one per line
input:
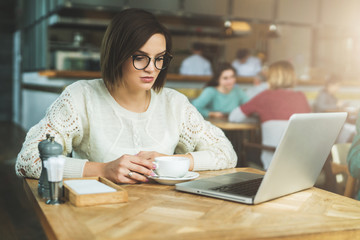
(159, 212)
(237, 133)
(232, 126)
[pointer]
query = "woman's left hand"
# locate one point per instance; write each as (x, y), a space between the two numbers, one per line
(217, 115)
(150, 155)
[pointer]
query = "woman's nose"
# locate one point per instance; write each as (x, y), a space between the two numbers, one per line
(151, 66)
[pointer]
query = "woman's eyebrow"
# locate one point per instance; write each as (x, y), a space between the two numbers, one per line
(144, 53)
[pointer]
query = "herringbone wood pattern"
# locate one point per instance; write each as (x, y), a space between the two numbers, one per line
(159, 212)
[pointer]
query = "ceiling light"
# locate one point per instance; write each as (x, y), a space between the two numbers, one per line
(272, 27)
(227, 23)
(240, 26)
(273, 31)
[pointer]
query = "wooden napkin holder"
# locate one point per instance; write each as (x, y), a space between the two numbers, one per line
(82, 200)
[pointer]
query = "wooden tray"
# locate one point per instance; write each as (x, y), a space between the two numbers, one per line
(98, 198)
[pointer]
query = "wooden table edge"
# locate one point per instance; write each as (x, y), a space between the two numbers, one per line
(43, 220)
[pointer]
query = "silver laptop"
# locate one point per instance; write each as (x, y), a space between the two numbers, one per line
(296, 164)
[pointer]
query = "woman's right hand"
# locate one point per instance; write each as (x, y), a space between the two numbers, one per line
(126, 169)
(216, 115)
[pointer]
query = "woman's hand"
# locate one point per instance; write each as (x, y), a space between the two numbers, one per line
(152, 155)
(217, 115)
(126, 169)
(129, 168)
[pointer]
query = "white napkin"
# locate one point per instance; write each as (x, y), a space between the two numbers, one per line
(88, 186)
(55, 168)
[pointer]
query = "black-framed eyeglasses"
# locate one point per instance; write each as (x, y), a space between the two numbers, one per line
(140, 62)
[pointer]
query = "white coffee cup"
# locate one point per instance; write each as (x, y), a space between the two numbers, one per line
(175, 167)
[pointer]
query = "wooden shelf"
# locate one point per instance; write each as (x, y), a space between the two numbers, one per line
(173, 77)
(70, 74)
(170, 76)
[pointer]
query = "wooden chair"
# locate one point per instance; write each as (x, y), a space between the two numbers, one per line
(340, 169)
(258, 145)
(247, 145)
(271, 133)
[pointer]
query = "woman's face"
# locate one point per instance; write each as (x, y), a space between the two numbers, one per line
(227, 79)
(142, 80)
(333, 88)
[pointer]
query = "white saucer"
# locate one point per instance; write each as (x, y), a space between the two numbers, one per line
(173, 181)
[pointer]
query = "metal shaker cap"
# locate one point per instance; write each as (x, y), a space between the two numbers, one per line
(49, 147)
(41, 144)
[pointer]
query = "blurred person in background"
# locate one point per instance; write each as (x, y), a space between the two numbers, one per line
(196, 64)
(221, 94)
(273, 106)
(326, 100)
(260, 84)
(245, 64)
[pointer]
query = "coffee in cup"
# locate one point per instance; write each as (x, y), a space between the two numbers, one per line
(171, 166)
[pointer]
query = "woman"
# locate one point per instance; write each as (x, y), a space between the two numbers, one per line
(220, 95)
(279, 102)
(115, 126)
(326, 99)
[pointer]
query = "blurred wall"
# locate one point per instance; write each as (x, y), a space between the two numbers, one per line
(7, 25)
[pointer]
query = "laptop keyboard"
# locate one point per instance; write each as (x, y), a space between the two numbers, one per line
(247, 188)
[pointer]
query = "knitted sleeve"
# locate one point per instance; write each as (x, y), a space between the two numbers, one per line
(61, 121)
(207, 144)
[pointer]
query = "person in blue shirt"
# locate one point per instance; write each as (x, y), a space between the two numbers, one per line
(196, 64)
(221, 94)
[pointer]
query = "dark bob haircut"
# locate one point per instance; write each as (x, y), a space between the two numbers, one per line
(127, 32)
(214, 82)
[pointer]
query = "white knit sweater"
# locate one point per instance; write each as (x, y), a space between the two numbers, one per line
(91, 125)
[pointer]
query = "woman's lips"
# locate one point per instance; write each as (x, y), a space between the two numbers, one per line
(147, 79)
